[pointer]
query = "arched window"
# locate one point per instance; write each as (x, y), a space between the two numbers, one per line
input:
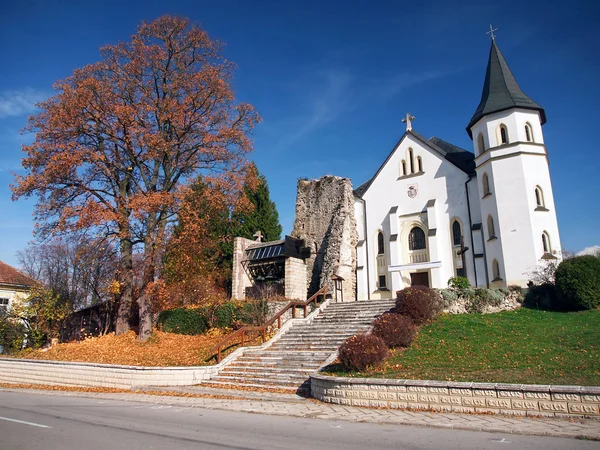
(456, 232)
(485, 184)
(546, 243)
(480, 144)
(528, 132)
(539, 197)
(503, 134)
(495, 270)
(491, 228)
(380, 244)
(403, 167)
(416, 239)
(419, 164)
(411, 160)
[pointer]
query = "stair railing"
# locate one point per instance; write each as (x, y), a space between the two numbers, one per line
(240, 334)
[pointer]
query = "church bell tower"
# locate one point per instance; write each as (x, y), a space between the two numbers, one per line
(518, 215)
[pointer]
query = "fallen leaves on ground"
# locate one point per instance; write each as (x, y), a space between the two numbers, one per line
(105, 390)
(162, 349)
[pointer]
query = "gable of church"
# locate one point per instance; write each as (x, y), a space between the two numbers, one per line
(409, 158)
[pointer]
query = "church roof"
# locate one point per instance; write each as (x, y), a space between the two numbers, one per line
(461, 158)
(11, 276)
(501, 90)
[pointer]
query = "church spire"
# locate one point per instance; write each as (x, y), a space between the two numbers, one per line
(501, 91)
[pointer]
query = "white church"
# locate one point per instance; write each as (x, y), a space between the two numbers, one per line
(435, 211)
(432, 211)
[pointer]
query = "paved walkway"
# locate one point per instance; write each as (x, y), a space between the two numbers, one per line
(293, 405)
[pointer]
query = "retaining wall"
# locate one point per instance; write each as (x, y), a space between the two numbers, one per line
(63, 373)
(448, 396)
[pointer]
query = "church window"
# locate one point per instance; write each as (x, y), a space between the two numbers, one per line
(546, 242)
(419, 164)
(416, 239)
(539, 197)
(485, 184)
(495, 270)
(503, 134)
(480, 144)
(491, 228)
(382, 282)
(411, 160)
(380, 244)
(528, 132)
(404, 172)
(456, 232)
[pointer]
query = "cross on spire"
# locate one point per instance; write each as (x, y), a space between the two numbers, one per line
(491, 32)
(407, 120)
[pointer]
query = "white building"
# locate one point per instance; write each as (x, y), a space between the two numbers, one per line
(430, 196)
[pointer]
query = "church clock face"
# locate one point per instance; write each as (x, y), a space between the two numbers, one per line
(412, 191)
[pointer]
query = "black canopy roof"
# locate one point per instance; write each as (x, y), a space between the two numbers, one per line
(501, 90)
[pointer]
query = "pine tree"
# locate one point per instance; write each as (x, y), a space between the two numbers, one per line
(263, 217)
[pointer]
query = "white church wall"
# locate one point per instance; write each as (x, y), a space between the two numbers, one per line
(441, 181)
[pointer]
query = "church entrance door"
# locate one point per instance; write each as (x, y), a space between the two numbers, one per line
(419, 279)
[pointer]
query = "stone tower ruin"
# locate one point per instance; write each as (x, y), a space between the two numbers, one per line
(325, 219)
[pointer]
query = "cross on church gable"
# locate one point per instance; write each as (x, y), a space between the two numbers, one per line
(258, 235)
(407, 120)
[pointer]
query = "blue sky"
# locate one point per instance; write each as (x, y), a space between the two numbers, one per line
(332, 81)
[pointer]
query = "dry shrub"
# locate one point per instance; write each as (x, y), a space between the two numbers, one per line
(396, 330)
(361, 351)
(420, 303)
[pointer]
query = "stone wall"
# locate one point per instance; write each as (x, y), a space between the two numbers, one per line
(448, 396)
(64, 373)
(325, 220)
(240, 279)
(295, 279)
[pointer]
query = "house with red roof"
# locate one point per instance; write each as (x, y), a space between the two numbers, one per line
(14, 286)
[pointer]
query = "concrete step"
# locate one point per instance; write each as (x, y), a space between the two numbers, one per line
(258, 380)
(296, 377)
(233, 385)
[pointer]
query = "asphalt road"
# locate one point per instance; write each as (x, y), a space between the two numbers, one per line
(64, 422)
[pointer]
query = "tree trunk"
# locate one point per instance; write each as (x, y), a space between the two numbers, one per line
(126, 292)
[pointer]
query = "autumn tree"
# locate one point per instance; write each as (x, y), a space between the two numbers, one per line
(197, 261)
(116, 145)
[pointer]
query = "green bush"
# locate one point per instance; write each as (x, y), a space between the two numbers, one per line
(362, 351)
(459, 283)
(420, 303)
(12, 334)
(578, 282)
(225, 315)
(183, 321)
(542, 296)
(395, 330)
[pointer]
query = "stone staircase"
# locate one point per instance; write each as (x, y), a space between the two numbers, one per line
(302, 350)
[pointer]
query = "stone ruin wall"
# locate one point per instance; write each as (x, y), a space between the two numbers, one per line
(325, 219)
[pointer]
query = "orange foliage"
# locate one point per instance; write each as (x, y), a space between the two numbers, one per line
(164, 349)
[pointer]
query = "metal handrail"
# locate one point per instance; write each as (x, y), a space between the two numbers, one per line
(277, 317)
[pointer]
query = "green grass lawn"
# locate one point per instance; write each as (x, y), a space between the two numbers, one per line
(521, 346)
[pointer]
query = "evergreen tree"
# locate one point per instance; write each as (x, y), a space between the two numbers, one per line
(263, 217)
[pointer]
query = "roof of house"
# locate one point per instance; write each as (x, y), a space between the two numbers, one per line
(501, 90)
(11, 276)
(461, 158)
